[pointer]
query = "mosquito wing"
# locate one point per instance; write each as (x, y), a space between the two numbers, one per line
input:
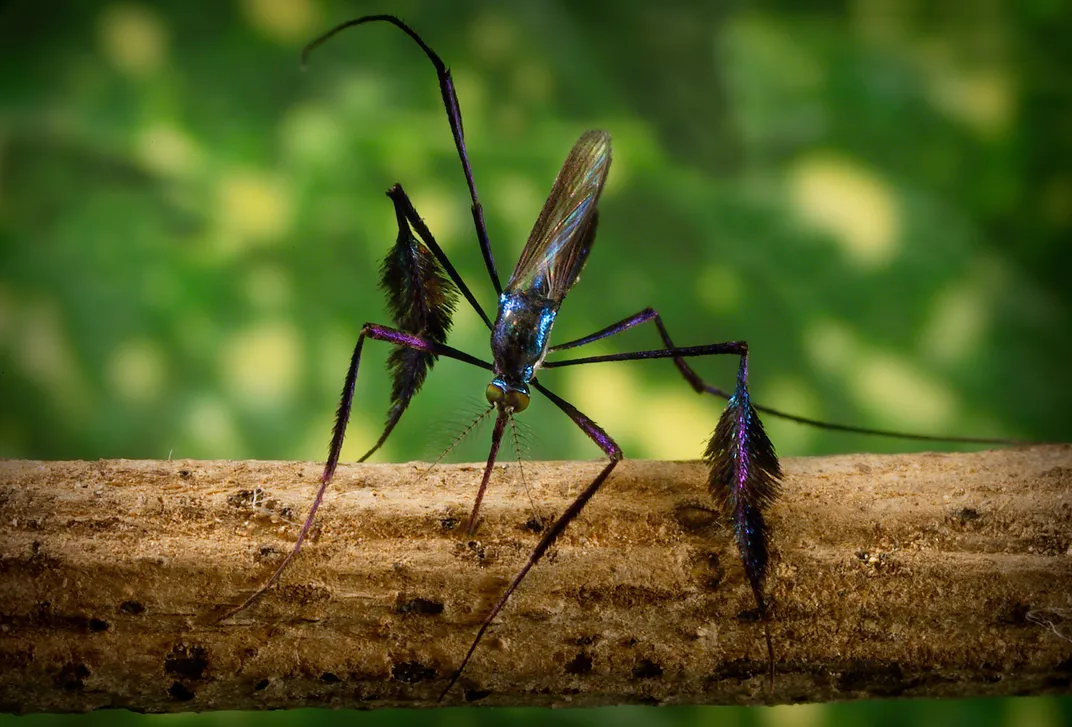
(559, 244)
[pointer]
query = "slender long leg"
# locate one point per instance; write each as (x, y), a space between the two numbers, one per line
(407, 213)
(342, 417)
(700, 386)
(613, 452)
(454, 117)
(493, 453)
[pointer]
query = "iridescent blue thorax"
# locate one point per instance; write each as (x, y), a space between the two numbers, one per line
(520, 337)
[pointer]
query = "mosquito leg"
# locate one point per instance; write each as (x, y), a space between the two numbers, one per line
(700, 386)
(614, 453)
(454, 117)
(405, 212)
(342, 417)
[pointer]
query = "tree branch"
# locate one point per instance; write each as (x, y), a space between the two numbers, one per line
(920, 575)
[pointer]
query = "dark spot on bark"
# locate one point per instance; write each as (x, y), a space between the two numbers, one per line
(696, 519)
(629, 643)
(184, 473)
(647, 669)
(97, 625)
(186, 663)
(1013, 613)
(448, 523)
(883, 679)
(475, 695)
(708, 570)
(967, 514)
(586, 640)
(180, 693)
(581, 664)
(533, 525)
(738, 669)
(71, 675)
(131, 608)
(249, 653)
(243, 499)
(477, 549)
(267, 552)
(420, 606)
(329, 678)
(749, 616)
(261, 685)
(412, 672)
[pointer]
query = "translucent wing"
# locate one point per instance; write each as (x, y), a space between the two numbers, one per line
(559, 244)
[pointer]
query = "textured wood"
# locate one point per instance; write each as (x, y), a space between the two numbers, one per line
(917, 575)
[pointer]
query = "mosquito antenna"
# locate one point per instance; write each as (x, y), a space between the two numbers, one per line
(454, 443)
(521, 470)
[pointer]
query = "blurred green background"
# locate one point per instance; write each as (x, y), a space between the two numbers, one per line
(876, 195)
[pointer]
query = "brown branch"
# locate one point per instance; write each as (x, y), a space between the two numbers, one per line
(917, 575)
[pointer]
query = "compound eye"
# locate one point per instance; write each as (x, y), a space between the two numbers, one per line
(518, 400)
(494, 394)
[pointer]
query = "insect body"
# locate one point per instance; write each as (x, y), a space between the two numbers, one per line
(422, 289)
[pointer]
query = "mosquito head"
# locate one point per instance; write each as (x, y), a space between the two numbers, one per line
(507, 397)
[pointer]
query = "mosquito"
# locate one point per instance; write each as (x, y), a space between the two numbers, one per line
(422, 289)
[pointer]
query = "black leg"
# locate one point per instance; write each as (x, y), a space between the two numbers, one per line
(614, 453)
(700, 386)
(342, 417)
(454, 116)
(406, 213)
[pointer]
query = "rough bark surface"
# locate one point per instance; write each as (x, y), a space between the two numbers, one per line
(918, 575)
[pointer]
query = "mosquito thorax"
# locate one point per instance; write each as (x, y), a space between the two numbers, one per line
(520, 336)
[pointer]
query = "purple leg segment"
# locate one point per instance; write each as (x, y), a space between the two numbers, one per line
(613, 452)
(699, 385)
(342, 417)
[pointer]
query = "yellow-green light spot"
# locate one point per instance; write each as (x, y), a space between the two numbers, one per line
(978, 93)
(719, 289)
(794, 715)
(492, 38)
(957, 323)
(268, 287)
(285, 21)
(610, 394)
(898, 392)
(44, 353)
(168, 150)
(790, 395)
(533, 81)
(517, 201)
(441, 212)
(1032, 712)
(832, 346)
(136, 370)
(253, 207)
(673, 423)
(132, 38)
(843, 198)
(212, 431)
(261, 365)
(312, 134)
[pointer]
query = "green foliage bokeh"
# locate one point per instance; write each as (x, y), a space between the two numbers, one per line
(877, 198)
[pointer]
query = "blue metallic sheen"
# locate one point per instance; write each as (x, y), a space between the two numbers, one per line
(520, 337)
